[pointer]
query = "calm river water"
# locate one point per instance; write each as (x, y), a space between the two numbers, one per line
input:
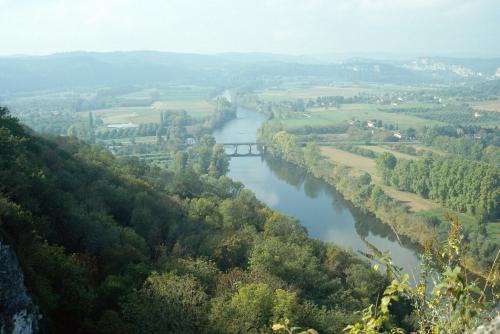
(292, 191)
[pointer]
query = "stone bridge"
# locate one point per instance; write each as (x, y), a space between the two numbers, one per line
(253, 149)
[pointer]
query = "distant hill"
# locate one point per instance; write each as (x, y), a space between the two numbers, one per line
(71, 70)
(90, 69)
(464, 67)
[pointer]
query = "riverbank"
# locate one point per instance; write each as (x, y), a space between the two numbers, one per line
(362, 164)
(357, 187)
(323, 211)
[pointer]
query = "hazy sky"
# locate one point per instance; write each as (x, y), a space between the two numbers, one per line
(426, 27)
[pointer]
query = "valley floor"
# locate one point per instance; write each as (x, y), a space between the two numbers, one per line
(367, 165)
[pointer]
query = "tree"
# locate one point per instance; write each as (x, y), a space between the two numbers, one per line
(242, 210)
(248, 311)
(289, 261)
(159, 139)
(220, 162)
(167, 304)
(287, 147)
(180, 161)
(91, 120)
(204, 156)
(385, 165)
(378, 197)
(286, 307)
(82, 131)
(452, 304)
(312, 154)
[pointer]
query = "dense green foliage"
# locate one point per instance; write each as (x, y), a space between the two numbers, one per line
(461, 185)
(141, 130)
(469, 142)
(482, 91)
(457, 302)
(481, 177)
(111, 245)
(358, 150)
(300, 105)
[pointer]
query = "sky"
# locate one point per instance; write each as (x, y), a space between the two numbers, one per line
(299, 27)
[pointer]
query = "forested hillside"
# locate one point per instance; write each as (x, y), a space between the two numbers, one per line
(110, 246)
(136, 68)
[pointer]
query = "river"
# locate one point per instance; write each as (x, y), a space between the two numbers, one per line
(292, 191)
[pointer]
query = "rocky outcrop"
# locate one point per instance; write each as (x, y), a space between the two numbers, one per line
(18, 314)
(493, 327)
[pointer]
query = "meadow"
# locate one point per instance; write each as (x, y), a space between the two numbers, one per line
(469, 223)
(362, 164)
(178, 92)
(304, 91)
(363, 112)
(382, 149)
(193, 100)
(128, 141)
(401, 106)
(417, 204)
(492, 105)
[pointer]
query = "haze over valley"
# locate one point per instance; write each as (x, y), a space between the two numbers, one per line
(249, 166)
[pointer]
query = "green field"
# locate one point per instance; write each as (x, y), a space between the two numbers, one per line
(492, 105)
(363, 112)
(382, 149)
(389, 103)
(195, 108)
(135, 115)
(306, 92)
(192, 99)
(469, 223)
(181, 92)
(52, 95)
(127, 141)
(429, 149)
(362, 164)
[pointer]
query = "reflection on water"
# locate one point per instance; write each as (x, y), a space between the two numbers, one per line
(323, 211)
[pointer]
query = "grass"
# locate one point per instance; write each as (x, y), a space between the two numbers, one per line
(141, 115)
(429, 149)
(136, 115)
(382, 149)
(298, 91)
(363, 164)
(367, 165)
(50, 94)
(416, 203)
(363, 112)
(181, 92)
(192, 99)
(138, 140)
(312, 92)
(469, 223)
(196, 108)
(493, 105)
(410, 105)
